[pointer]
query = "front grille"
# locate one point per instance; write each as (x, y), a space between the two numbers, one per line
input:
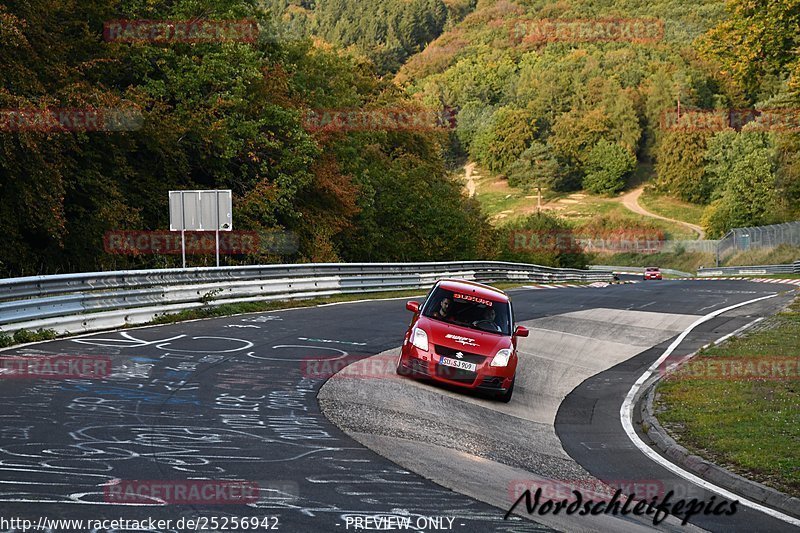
(455, 374)
(465, 356)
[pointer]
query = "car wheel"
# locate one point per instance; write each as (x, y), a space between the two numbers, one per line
(506, 396)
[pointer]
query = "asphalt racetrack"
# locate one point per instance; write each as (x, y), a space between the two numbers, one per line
(236, 399)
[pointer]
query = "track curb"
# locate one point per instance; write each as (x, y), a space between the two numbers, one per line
(662, 441)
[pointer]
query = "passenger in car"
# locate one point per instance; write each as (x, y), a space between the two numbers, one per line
(442, 312)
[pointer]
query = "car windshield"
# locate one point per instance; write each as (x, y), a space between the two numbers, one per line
(469, 310)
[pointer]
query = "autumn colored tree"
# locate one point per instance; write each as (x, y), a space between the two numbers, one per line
(213, 115)
(758, 40)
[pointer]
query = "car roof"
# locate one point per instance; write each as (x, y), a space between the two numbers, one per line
(472, 287)
(652, 268)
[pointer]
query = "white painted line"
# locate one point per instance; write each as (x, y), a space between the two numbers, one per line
(733, 334)
(675, 366)
(626, 415)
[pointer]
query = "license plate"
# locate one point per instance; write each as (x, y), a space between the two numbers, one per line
(455, 363)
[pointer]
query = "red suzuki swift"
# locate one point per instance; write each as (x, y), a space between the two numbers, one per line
(464, 335)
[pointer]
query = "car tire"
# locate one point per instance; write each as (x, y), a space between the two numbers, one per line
(505, 397)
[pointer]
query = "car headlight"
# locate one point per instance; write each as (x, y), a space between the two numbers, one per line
(420, 339)
(502, 357)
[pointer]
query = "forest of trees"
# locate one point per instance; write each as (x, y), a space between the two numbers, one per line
(215, 115)
(581, 110)
(230, 115)
(388, 32)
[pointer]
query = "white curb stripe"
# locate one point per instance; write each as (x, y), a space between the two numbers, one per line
(626, 415)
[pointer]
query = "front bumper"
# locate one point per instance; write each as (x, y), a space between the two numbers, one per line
(486, 378)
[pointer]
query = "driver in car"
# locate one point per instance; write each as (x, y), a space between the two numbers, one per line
(487, 321)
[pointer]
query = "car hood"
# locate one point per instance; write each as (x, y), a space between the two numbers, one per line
(465, 339)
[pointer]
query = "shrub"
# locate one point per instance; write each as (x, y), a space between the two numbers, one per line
(608, 167)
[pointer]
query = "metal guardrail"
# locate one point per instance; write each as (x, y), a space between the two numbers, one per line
(639, 271)
(755, 270)
(101, 300)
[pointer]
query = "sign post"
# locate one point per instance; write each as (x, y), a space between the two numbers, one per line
(200, 211)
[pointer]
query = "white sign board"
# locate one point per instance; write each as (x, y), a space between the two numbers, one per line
(200, 211)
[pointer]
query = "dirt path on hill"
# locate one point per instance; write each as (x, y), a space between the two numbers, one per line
(631, 202)
(469, 168)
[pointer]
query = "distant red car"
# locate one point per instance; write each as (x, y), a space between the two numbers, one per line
(464, 335)
(652, 273)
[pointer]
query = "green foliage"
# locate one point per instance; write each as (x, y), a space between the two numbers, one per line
(756, 42)
(608, 167)
(229, 115)
(23, 336)
(474, 117)
(388, 32)
(535, 168)
(787, 174)
(576, 132)
(745, 172)
(413, 212)
(754, 179)
(503, 139)
(681, 166)
(215, 115)
(540, 239)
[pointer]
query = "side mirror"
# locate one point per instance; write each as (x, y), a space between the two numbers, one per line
(413, 307)
(521, 331)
